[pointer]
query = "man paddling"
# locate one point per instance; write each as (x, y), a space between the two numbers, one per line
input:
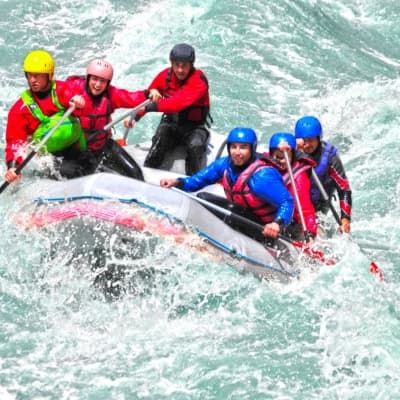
(40, 106)
(300, 165)
(252, 184)
(185, 104)
(330, 170)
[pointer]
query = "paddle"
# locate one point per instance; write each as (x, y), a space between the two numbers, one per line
(296, 196)
(132, 111)
(325, 196)
(122, 141)
(220, 150)
(19, 168)
(316, 254)
(374, 268)
(125, 115)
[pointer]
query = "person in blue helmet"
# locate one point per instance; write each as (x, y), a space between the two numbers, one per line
(329, 168)
(300, 165)
(249, 183)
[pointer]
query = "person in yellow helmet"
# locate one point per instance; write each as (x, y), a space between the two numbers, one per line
(38, 107)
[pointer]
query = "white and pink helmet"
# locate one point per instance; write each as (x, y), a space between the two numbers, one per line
(100, 68)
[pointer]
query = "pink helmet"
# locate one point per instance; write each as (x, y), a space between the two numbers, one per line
(100, 68)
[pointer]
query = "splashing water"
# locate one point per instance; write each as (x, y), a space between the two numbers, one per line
(198, 329)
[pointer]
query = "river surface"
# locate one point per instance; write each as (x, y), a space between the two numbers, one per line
(204, 331)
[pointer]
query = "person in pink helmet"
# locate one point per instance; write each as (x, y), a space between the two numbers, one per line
(101, 99)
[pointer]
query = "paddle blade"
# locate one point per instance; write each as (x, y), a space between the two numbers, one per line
(376, 271)
(121, 142)
(314, 253)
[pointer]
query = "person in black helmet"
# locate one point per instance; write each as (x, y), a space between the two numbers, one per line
(181, 93)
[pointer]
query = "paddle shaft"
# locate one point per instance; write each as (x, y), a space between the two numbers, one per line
(316, 254)
(131, 118)
(125, 115)
(325, 196)
(134, 110)
(29, 157)
(220, 150)
(221, 210)
(374, 268)
(296, 194)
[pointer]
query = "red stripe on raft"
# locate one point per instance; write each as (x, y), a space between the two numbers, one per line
(106, 213)
(86, 209)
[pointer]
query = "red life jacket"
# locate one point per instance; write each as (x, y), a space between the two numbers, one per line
(298, 166)
(95, 115)
(239, 192)
(197, 112)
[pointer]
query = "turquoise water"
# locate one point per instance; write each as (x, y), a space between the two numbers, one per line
(204, 331)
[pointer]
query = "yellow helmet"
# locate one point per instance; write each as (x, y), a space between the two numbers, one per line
(39, 62)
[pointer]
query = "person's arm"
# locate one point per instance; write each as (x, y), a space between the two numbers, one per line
(122, 98)
(338, 175)
(18, 130)
(188, 94)
(267, 183)
(171, 182)
(71, 90)
(155, 91)
(206, 176)
(20, 126)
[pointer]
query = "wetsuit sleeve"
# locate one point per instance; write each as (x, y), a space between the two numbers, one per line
(206, 176)
(188, 94)
(159, 84)
(338, 176)
(67, 89)
(122, 98)
(267, 183)
(64, 92)
(303, 186)
(20, 123)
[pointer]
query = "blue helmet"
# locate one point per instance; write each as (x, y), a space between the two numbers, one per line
(243, 135)
(308, 127)
(182, 52)
(281, 137)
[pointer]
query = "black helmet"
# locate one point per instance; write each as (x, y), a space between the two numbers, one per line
(182, 52)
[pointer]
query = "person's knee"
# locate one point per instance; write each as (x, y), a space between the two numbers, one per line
(164, 133)
(156, 154)
(122, 162)
(70, 169)
(196, 148)
(198, 140)
(162, 141)
(197, 144)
